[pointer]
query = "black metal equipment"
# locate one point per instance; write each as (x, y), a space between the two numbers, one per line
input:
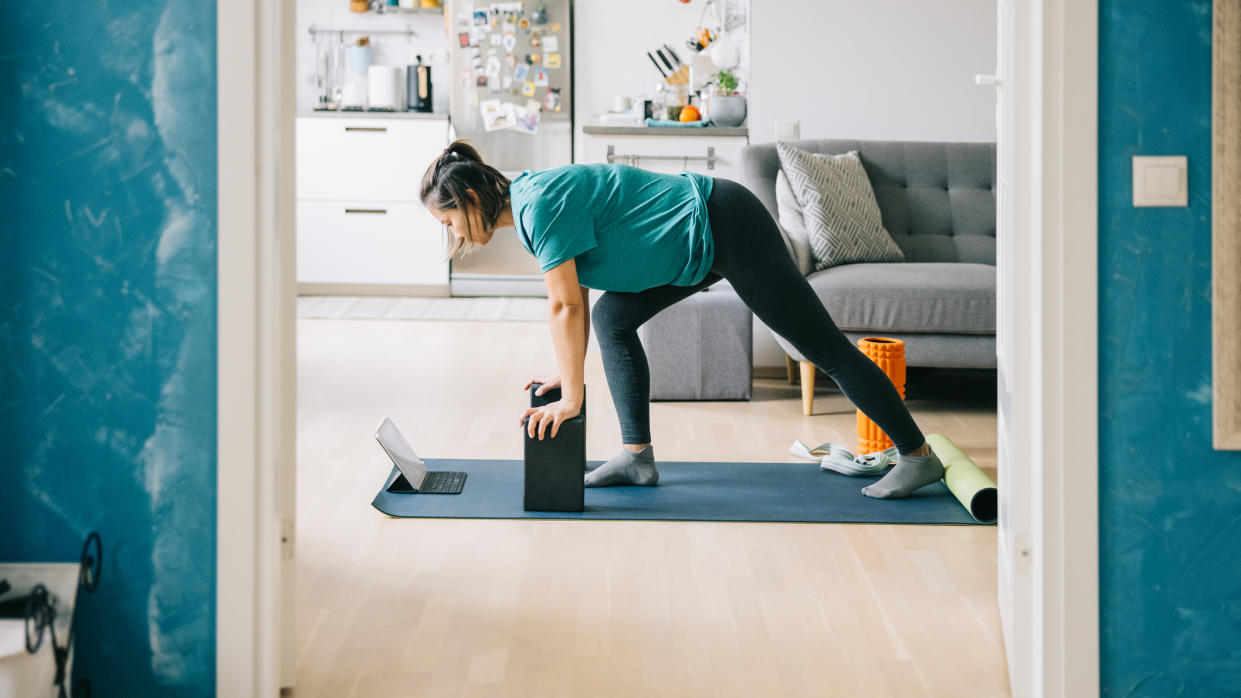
(39, 612)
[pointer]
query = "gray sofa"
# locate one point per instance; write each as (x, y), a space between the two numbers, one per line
(938, 202)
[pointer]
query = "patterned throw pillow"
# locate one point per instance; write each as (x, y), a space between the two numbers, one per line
(842, 217)
(793, 224)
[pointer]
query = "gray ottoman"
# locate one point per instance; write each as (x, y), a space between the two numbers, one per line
(701, 348)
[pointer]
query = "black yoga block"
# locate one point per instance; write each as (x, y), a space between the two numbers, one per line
(555, 466)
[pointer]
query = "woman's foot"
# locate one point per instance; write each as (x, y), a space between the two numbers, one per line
(910, 473)
(626, 468)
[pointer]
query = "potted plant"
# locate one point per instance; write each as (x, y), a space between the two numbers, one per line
(727, 109)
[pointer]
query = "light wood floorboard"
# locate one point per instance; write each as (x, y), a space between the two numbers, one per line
(458, 607)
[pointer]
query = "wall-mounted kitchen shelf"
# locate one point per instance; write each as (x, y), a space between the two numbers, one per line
(415, 10)
(395, 10)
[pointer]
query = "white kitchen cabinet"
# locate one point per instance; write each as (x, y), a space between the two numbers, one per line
(360, 225)
(364, 242)
(711, 155)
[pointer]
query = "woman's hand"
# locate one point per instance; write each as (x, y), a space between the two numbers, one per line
(549, 382)
(553, 413)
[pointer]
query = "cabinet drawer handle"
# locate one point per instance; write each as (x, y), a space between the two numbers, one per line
(380, 211)
(367, 129)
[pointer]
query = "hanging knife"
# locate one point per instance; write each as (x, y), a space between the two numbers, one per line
(662, 74)
(674, 55)
(662, 57)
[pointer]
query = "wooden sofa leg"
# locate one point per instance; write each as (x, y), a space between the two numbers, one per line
(807, 388)
(789, 365)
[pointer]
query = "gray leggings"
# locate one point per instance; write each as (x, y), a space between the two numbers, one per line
(750, 253)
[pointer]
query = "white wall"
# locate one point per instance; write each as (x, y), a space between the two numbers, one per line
(429, 40)
(873, 69)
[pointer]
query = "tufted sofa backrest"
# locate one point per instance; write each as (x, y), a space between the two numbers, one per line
(937, 199)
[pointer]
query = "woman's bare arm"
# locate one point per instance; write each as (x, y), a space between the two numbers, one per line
(568, 312)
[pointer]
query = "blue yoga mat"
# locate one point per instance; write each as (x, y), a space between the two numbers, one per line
(687, 491)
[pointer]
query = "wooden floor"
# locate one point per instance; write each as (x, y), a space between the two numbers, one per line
(390, 607)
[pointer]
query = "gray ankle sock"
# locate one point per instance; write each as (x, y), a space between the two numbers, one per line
(626, 468)
(909, 473)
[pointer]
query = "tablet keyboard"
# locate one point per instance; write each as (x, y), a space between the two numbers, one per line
(440, 482)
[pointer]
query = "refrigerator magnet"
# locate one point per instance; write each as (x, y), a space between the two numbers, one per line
(528, 89)
(520, 73)
(551, 44)
(523, 25)
(464, 39)
(509, 28)
(496, 114)
(540, 77)
(552, 60)
(527, 119)
(510, 42)
(552, 101)
(555, 26)
(480, 18)
(493, 67)
(480, 81)
(507, 83)
(495, 39)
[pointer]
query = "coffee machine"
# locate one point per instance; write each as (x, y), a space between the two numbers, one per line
(418, 82)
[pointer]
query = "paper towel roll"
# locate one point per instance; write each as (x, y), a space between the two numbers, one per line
(384, 87)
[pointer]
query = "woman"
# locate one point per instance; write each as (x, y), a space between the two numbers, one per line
(650, 240)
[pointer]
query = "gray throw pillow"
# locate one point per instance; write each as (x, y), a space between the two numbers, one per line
(843, 222)
(793, 224)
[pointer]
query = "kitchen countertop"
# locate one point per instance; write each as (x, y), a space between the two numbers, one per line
(442, 116)
(616, 130)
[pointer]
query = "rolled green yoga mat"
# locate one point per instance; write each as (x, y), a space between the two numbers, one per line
(967, 482)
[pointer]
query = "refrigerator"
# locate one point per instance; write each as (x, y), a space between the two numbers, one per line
(511, 65)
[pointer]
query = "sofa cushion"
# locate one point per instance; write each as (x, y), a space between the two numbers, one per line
(953, 297)
(841, 214)
(793, 225)
(937, 199)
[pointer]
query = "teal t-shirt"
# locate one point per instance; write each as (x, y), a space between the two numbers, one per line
(628, 229)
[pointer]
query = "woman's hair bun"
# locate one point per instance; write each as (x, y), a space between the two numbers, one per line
(461, 150)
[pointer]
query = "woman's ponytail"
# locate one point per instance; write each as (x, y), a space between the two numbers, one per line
(459, 180)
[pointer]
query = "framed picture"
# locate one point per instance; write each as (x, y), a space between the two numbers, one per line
(1226, 226)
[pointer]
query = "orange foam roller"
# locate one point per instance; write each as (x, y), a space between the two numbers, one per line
(889, 354)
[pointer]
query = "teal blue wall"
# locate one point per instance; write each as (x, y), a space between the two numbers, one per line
(1170, 506)
(107, 324)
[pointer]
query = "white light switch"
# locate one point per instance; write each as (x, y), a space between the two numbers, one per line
(788, 130)
(1160, 181)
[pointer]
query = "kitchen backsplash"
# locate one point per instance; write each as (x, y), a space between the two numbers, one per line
(428, 40)
(610, 44)
(611, 40)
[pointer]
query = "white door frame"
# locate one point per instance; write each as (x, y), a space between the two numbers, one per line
(256, 360)
(256, 364)
(1048, 552)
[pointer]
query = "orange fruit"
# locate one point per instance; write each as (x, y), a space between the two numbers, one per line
(690, 113)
